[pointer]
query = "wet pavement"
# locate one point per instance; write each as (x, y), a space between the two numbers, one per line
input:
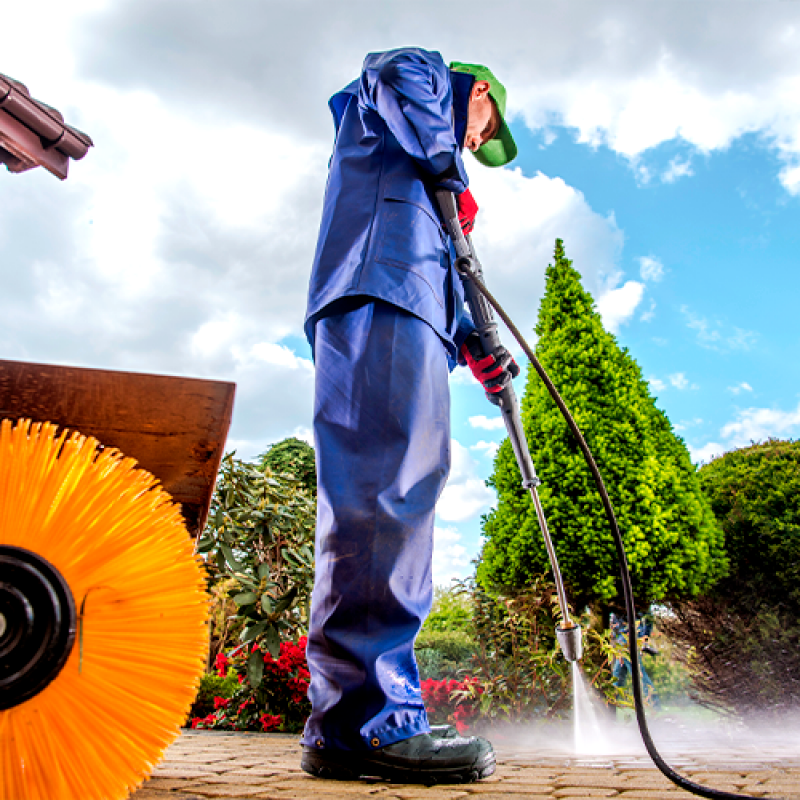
(531, 766)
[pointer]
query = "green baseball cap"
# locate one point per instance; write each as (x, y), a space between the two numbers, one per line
(501, 149)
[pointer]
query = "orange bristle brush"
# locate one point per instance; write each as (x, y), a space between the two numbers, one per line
(103, 631)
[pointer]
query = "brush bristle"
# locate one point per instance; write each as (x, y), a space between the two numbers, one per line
(120, 543)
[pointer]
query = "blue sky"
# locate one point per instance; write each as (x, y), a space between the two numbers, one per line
(660, 140)
(716, 331)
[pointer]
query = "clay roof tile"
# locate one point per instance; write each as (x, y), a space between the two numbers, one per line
(35, 134)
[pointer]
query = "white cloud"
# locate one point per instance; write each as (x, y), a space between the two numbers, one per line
(751, 425)
(677, 169)
(704, 73)
(465, 495)
(450, 558)
(617, 306)
(487, 423)
(716, 335)
(304, 434)
(677, 380)
(488, 449)
(280, 356)
(182, 243)
(519, 220)
(757, 424)
(651, 269)
(740, 387)
(649, 315)
(704, 454)
(790, 178)
(681, 382)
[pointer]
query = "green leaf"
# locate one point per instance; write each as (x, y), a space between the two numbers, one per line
(205, 544)
(255, 668)
(266, 603)
(230, 558)
(273, 641)
(245, 598)
(248, 634)
(285, 601)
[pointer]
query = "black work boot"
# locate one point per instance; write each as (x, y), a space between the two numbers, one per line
(420, 759)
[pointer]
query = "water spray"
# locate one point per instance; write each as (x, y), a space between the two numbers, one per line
(569, 635)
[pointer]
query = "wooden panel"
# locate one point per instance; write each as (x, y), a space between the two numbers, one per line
(174, 427)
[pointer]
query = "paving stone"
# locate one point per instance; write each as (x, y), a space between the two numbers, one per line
(599, 781)
(237, 790)
(261, 772)
(232, 780)
(647, 780)
(776, 788)
(520, 793)
(313, 787)
(543, 773)
(718, 776)
(169, 784)
(207, 765)
(484, 788)
(438, 792)
(180, 772)
(533, 779)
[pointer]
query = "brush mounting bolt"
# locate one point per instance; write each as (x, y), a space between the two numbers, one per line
(37, 624)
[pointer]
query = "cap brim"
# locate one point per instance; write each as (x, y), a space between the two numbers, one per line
(497, 151)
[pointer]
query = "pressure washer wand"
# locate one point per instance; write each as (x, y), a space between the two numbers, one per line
(469, 267)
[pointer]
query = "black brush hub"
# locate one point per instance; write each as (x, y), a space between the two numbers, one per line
(37, 624)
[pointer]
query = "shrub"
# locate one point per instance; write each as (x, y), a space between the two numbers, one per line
(674, 545)
(451, 610)
(452, 702)
(212, 686)
(518, 661)
(258, 543)
(270, 696)
(742, 640)
(443, 654)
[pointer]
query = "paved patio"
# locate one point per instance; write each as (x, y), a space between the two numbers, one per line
(207, 764)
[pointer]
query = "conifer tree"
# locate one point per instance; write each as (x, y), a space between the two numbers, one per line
(673, 542)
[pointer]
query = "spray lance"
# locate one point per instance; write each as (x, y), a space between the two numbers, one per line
(568, 632)
(481, 302)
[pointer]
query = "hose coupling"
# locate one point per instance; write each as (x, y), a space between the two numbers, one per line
(571, 641)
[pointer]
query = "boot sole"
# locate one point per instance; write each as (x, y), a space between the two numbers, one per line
(345, 767)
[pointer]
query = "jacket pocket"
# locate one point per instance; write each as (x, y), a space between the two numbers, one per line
(411, 239)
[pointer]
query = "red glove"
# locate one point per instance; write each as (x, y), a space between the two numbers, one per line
(494, 370)
(467, 209)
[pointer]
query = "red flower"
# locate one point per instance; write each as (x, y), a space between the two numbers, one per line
(269, 722)
(221, 702)
(221, 663)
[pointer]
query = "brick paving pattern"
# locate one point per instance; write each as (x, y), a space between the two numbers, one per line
(202, 765)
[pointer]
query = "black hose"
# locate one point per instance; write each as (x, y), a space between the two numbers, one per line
(627, 588)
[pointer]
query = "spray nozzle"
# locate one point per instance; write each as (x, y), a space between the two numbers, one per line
(571, 641)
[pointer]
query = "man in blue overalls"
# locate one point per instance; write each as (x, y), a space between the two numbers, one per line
(386, 324)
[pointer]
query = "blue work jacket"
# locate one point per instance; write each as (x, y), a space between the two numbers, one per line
(399, 134)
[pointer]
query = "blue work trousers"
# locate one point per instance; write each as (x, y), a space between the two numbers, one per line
(382, 437)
